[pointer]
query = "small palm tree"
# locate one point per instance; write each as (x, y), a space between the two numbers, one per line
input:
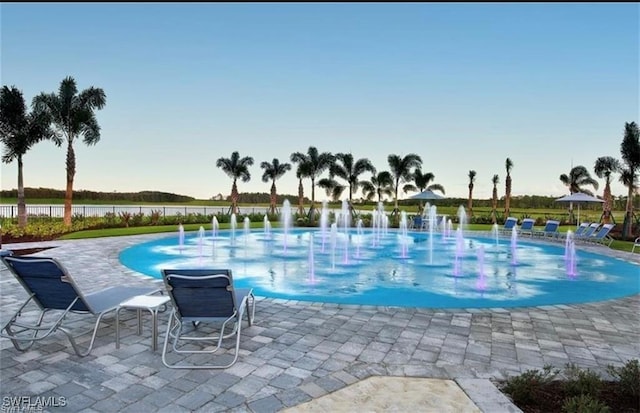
(423, 181)
(235, 167)
(73, 115)
(380, 184)
(472, 178)
(332, 188)
(508, 165)
(19, 131)
(578, 177)
(401, 172)
(316, 164)
(604, 167)
(349, 170)
(630, 150)
(494, 200)
(272, 172)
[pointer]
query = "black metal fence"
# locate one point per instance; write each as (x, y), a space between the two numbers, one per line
(57, 211)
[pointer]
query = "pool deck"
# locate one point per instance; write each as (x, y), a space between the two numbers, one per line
(311, 357)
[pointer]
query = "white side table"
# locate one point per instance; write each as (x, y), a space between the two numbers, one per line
(152, 303)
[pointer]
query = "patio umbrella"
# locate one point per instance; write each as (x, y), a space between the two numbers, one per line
(579, 197)
(428, 194)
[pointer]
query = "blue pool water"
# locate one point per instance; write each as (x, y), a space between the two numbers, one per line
(389, 269)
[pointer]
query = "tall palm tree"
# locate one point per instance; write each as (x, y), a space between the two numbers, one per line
(401, 172)
(316, 164)
(494, 200)
(508, 165)
(350, 170)
(472, 178)
(604, 167)
(72, 113)
(235, 167)
(19, 131)
(578, 177)
(379, 185)
(272, 172)
(630, 150)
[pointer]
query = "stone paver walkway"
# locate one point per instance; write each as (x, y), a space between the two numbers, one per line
(297, 352)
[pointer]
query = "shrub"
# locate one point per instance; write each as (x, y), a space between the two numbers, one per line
(522, 388)
(581, 382)
(629, 377)
(125, 217)
(155, 216)
(584, 404)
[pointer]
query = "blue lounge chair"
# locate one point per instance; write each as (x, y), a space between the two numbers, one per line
(527, 226)
(550, 229)
(578, 232)
(602, 236)
(509, 224)
(52, 289)
(207, 299)
(588, 232)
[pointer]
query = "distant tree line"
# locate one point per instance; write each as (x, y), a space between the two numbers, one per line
(143, 196)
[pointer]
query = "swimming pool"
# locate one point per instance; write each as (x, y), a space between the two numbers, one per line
(394, 269)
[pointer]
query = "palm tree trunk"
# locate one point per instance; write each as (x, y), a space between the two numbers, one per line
(300, 197)
(494, 205)
(606, 206)
(71, 172)
(312, 209)
(507, 196)
(234, 198)
(22, 208)
(470, 202)
(273, 197)
(628, 219)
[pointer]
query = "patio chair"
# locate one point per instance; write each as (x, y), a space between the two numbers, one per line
(52, 289)
(602, 236)
(509, 224)
(527, 226)
(578, 232)
(207, 299)
(636, 243)
(550, 229)
(587, 232)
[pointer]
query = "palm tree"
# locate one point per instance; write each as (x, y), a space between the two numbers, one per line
(578, 177)
(316, 164)
(235, 167)
(508, 164)
(379, 185)
(494, 201)
(472, 178)
(272, 172)
(349, 170)
(630, 150)
(19, 131)
(422, 181)
(73, 115)
(332, 188)
(604, 167)
(401, 172)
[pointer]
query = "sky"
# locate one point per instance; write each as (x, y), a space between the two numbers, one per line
(463, 85)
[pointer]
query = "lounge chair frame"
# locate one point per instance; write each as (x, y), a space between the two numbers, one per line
(204, 296)
(52, 289)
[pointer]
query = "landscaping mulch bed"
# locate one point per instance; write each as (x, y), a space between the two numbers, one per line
(7, 241)
(549, 398)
